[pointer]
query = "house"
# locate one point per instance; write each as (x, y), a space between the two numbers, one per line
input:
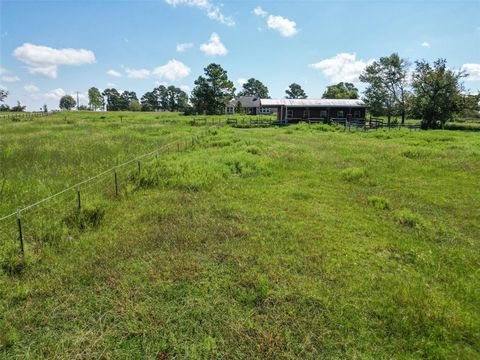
(295, 110)
(250, 106)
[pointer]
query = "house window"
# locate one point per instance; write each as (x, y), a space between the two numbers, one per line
(289, 114)
(340, 114)
(323, 114)
(306, 114)
(356, 114)
(230, 110)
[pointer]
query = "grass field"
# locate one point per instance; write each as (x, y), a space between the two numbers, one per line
(295, 242)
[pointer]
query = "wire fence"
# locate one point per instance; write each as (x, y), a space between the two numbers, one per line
(80, 206)
(17, 116)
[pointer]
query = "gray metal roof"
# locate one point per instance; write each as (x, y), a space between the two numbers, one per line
(313, 102)
(246, 101)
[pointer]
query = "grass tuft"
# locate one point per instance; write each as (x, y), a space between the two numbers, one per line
(352, 174)
(408, 218)
(379, 202)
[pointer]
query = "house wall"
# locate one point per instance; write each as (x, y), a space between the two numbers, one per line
(299, 113)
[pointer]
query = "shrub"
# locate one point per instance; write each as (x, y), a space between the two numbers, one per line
(379, 202)
(408, 218)
(353, 173)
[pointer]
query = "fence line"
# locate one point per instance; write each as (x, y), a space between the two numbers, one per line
(177, 145)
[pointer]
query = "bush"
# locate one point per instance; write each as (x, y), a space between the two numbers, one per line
(408, 218)
(379, 202)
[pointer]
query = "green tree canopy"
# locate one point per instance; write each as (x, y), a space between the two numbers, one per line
(437, 92)
(386, 92)
(149, 101)
(295, 91)
(95, 98)
(67, 102)
(113, 100)
(341, 91)
(213, 91)
(254, 87)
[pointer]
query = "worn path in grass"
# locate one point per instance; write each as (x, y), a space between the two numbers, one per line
(269, 243)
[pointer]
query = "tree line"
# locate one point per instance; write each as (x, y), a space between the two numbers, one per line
(431, 92)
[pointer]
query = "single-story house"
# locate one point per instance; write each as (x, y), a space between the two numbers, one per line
(250, 106)
(295, 110)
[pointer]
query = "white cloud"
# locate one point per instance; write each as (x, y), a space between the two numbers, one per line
(473, 71)
(55, 94)
(172, 70)
(137, 74)
(31, 88)
(44, 60)
(10, 78)
(285, 27)
(110, 84)
(114, 73)
(426, 45)
(48, 71)
(214, 46)
(260, 12)
(185, 88)
(184, 47)
(241, 81)
(213, 11)
(341, 67)
(3, 70)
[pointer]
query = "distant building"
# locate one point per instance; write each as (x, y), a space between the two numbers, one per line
(250, 105)
(295, 110)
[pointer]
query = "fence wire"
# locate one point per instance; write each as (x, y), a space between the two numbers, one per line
(67, 213)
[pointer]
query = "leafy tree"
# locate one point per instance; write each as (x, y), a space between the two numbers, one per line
(67, 102)
(149, 101)
(95, 98)
(4, 107)
(134, 105)
(471, 105)
(295, 91)
(177, 99)
(437, 92)
(126, 98)
(83, 108)
(213, 92)
(341, 91)
(44, 108)
(3, 95)
(113, 100)
(387, 85)
(254, 87)
(18, 108)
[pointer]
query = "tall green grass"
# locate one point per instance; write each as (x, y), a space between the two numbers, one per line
(259, 243)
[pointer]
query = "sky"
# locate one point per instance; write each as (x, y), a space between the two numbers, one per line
(52, 48)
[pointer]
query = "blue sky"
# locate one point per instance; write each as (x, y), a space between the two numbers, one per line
(51, 48)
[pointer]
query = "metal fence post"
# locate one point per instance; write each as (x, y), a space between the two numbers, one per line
(78, 198)
(20, 235)
(116, 183)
